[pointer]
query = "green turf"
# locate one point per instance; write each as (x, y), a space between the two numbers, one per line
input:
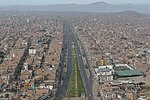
(71, 88)
(80, 83)
(80, 87)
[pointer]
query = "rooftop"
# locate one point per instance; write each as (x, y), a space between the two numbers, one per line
(102, 69)
(128, 73)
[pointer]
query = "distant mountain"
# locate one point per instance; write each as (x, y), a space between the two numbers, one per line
(100, 3)
(129, 12)
(94, 7)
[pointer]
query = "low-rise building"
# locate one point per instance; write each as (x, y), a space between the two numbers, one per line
(104, 74)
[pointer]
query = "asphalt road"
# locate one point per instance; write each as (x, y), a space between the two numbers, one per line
(86, 81)
(62, 89)
(22, 60)
(83, 73)
(90, 79)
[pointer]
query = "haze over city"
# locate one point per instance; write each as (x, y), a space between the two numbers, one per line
(50, 2)
(74, 50)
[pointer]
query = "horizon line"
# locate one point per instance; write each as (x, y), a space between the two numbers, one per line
(74, 4)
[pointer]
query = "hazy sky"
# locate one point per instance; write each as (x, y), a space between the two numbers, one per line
(47, 2)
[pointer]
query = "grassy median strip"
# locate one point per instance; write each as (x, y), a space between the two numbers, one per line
(76, 87)
(79, 81)
(71, 88)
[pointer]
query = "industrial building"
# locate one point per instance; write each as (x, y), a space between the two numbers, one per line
(128, 73)
(109, 72)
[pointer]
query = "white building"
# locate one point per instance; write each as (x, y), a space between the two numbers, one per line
(104, 74)
(32, 51)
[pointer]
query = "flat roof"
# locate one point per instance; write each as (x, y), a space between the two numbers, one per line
(128, 73)
(97, 70)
